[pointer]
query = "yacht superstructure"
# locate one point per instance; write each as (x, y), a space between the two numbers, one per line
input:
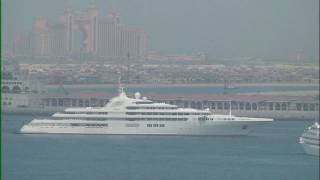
(310, 140)
(138, 115)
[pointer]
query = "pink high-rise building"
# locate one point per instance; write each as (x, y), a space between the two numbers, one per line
(100, 36)
(118, 40)
(23, 44)
(41, 37)
(58, 40)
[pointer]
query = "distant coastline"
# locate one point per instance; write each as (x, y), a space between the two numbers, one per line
(182, 85)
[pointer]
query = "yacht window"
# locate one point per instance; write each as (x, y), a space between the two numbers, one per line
(132, 107)
(60, 102)
(132, 113)
(132, 125)
(312, 107)
(80, 103)
(74, 102)
(143, 102)
(116, 103)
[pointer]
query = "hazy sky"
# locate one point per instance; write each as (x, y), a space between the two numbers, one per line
(223, 28)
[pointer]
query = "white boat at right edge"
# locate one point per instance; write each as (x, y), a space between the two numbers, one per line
(310, 140)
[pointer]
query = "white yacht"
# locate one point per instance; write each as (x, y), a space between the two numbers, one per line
(138, 115)
(310, 140)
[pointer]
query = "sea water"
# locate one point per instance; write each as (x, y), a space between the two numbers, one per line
(271, 152)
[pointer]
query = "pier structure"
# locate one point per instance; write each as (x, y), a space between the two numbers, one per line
(255, 105)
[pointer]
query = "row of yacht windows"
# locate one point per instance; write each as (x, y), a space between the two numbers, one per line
(132, 125)
(155, 125)
(311, 141)
(206, 118)
(67, 112)
(157, 119)
(91, 125)
(70, 124)
(143, 102)
(135, 107)
(140, 113)
(315, 134)
(125, 119)
(86, 118)
(164, 113)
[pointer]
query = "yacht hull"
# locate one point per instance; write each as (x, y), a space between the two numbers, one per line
(311, 149)
(148, 128)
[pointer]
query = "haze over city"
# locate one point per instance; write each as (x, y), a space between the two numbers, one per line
(166, 89)
(222, 29)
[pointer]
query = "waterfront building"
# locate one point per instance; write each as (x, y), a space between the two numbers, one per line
(19, 91)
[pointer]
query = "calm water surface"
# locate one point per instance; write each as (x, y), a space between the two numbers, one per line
(269, 153)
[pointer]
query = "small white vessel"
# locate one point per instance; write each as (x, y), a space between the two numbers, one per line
(310, 140)
(138, 115)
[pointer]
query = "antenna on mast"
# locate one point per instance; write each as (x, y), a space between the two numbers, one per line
(128, 67)
(120, 87)
(230, 108)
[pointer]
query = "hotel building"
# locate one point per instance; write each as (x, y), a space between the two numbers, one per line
(83, 32)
